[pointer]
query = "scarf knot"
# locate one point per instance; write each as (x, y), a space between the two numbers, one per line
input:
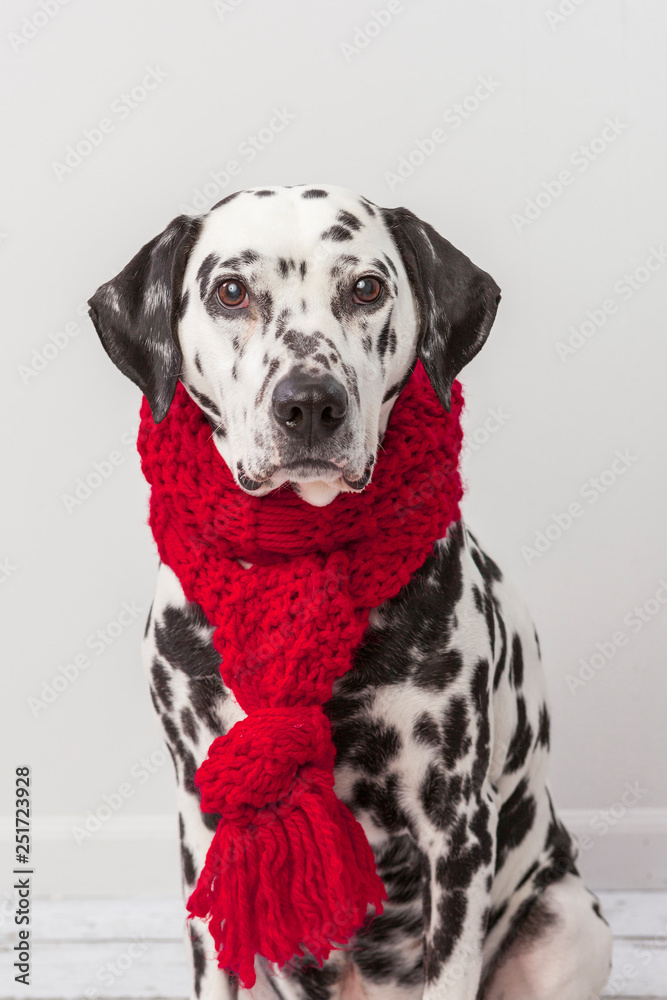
(270, 758)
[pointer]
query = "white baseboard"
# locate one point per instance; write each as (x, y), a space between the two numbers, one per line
(137, 855)
(620, 851)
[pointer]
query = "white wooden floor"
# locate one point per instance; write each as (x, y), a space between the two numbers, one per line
(131, 949)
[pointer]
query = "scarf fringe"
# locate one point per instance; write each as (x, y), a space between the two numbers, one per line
(298, 881)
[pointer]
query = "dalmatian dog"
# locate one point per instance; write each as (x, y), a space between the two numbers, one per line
(293, 317)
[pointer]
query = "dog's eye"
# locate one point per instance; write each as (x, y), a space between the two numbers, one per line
(233, 294)
(367, 290)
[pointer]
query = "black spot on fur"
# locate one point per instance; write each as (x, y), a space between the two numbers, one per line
(182, 753)
(380, 798)
(383, 339)
(393, 390)
(485, 565)
(537, 641)
(452, 910)
(438, 671)
(264, 193)
(180, 643)
(391, 264)
(515, 819)
(349, 220)
(314, 982)
(188, 865)
(400, 865)
(148, 620)
(381, 266)
(440, 796)
(264, 301)
(544, 729)
(367, 206)
(303, 267)
(206, 268)
(189, 723)
(281, 322)
(336, 233)
(198, 364)
(425, 730)
(521, 741)
(162, 684)
(479, 687)
(204, 401)
(273, 368)
(561, 853)
(457, 741)
(368, 744)
(198, 958)
(211, 820)
(516, 663)
(302, 345)
(315, 193)
(225, 201)
(502, 657)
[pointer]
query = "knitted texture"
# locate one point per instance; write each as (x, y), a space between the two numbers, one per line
(289, 870)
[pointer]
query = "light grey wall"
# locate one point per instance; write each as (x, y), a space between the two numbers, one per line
(517, 92)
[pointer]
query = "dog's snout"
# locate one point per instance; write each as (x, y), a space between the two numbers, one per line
(308, 407)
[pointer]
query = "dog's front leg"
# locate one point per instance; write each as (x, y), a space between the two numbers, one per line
(460, 868)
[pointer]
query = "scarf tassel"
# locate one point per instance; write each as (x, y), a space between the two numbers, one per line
(294, 877)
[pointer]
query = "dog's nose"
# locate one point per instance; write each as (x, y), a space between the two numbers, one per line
(308, 407)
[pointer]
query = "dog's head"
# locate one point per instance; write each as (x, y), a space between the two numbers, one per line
(293, 317)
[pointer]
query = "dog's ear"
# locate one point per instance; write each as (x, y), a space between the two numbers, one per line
(136, 313)
(457, 301)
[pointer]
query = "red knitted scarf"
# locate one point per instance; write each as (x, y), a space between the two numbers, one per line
(289, 871)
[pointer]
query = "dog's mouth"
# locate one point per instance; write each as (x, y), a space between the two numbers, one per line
(308, 470)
